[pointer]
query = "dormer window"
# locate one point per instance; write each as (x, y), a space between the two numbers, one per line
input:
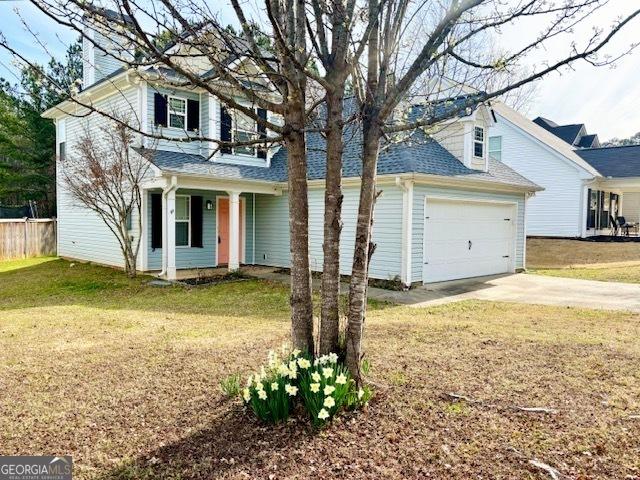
(478, 142)
(244, 130)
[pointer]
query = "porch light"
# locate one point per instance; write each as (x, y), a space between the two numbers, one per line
(209, 205)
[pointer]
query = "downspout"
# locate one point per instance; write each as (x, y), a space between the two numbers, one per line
(407, 230)
(173, 184)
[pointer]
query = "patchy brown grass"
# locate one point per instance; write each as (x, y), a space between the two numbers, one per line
(125, 378)
(561, 253)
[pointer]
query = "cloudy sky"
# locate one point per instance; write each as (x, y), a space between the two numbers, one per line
(605, 99)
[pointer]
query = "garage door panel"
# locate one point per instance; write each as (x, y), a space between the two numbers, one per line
(467, 239)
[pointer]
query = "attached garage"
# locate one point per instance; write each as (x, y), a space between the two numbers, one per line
(468, 238)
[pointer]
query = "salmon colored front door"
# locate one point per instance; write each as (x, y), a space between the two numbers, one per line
(223, 231)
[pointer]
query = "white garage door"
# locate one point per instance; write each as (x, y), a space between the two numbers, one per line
(467, 239)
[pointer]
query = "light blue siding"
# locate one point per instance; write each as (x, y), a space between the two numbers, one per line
(189, 257)
(81, 233)
(419, 194)
(194, 147)
(272, 231)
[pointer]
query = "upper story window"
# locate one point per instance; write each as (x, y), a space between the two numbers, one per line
(177, 112)
(183, 220)
(244, 129)
(478, 142)
(236, 126)
(495, 148)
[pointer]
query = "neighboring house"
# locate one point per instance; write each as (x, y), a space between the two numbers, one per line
(447, 210)
(585, 185)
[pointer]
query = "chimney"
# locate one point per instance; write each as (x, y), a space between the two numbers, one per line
(103, 48)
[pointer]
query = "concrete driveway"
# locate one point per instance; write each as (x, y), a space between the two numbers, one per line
(522, 288)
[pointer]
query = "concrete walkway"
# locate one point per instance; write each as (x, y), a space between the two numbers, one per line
(519, 288)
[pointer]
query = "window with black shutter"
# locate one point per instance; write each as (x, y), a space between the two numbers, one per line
(159, 110)
(262, 133)
(156, 220)
(193, 115)
(196, 221)
(225, 128)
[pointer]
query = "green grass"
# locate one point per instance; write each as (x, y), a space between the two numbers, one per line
(131, 379)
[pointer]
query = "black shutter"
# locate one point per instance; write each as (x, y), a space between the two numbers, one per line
(159, 110)
(156, 220)
(193, 115)
(262, 133)
(591, 213)
(196, 221)
(225, 128)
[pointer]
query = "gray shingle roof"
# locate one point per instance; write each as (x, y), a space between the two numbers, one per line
(614, 162)
(417, 154)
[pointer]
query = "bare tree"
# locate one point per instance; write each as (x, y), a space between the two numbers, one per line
(393, 72)
(105, 174)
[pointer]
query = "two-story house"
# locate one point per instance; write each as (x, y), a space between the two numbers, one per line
(447, 210)
(586, 187)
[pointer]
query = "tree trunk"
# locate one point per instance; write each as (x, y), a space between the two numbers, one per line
(363, 246)
(329, 315)
(301, 300)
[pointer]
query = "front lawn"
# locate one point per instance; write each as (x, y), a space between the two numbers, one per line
(604, 261)
(125, 377)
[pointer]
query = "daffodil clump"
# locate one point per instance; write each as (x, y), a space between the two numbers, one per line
(272, 391)
(324, 386)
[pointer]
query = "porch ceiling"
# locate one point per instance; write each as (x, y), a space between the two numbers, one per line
(215, 184)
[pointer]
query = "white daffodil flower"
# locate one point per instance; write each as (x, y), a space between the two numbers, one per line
(329, 402)
(314, 387)
(333, 358)
(249, 380)
(360, 394)
(259, 386)
(274, 386)
(327, 372)
(246, 394)
(304, 363)
(341, 379)
(262, 395)
(296, 352)
(291, 390)
(329, 389)
(323, 414)
(316, 376)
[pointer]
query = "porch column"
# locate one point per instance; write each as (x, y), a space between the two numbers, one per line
(234, 231)
(171, 234)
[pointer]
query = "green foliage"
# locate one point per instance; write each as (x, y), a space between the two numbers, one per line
(230, 385)
(324, 385)
(27, 141)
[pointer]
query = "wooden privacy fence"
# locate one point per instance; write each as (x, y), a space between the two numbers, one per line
(27, 237)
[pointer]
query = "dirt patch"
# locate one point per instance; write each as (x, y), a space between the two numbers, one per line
(560, 253)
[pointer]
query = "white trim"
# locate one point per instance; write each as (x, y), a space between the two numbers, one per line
(514, 224)
(253, 231)
(144, 113)
(407, 231)
(188, 222)
(144, 232)
(243, 233)
(184, 115)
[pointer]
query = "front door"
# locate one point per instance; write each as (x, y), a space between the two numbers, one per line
(223, 230)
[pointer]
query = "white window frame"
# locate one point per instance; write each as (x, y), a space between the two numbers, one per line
(188, 222)
(476, 141)
(254, 135)
(489, 151)
(172, 112)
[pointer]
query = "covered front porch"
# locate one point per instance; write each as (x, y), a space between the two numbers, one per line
(613, 207)
(194, 225)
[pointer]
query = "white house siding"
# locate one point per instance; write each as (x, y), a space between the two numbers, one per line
(631, 207)
(422, 191)
(188, 257)
(557, 210)
(81, 233)
(272, 231)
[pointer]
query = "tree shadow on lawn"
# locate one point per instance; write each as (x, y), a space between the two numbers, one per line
(236, 444)
(62, 283)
